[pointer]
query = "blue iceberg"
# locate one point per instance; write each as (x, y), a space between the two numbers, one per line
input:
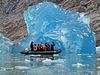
(5, 44)
(71, 32)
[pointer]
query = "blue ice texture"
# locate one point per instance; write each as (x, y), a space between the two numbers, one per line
(5, 44)
(71, 32)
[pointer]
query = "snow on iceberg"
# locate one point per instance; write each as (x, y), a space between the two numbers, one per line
(69, 30)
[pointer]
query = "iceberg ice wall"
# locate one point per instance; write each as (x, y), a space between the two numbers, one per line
(5, 44)
(69, 30)
(5, 49)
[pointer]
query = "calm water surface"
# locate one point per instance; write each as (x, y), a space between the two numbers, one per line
(74, 64)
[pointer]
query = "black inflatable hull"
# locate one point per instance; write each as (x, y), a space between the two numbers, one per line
(41, 52)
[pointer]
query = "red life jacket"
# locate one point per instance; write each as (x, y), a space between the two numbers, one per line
(44, 47)
(35, 47)
(40, 45)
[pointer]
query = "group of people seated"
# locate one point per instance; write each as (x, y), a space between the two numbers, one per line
(42, 47)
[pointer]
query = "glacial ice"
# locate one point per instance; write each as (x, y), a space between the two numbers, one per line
(5, 44)
(98, 49)
(71, 32)
(8, 46)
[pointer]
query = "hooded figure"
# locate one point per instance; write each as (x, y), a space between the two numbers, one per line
(32, 46)
(52, 46)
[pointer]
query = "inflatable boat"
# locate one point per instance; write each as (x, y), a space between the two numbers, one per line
(49, 52)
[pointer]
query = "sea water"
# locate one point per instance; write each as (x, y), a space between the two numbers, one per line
(74, 64)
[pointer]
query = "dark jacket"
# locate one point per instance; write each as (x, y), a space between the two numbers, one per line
(52, 46)
(31, 46)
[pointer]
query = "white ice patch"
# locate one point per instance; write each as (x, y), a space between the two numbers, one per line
(98, 49)
(84, 19)
(85, 34)
(5, 69)
(98, 59)
(55, 6)
(89, 56)
(2, 69)
(98, 67)
(63, 39)
(22, 67)
(60, 61)
(64, 30)
(26, 60)
(78, 65)
(49, 61)
(79, 54)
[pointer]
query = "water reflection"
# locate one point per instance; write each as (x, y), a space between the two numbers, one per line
(74, 64)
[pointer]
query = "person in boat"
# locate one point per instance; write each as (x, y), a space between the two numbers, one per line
(45, 47)
(52, 46)
(38, 47)
(48, 46)
(31, 46)
(41, 46)
(35, 47)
